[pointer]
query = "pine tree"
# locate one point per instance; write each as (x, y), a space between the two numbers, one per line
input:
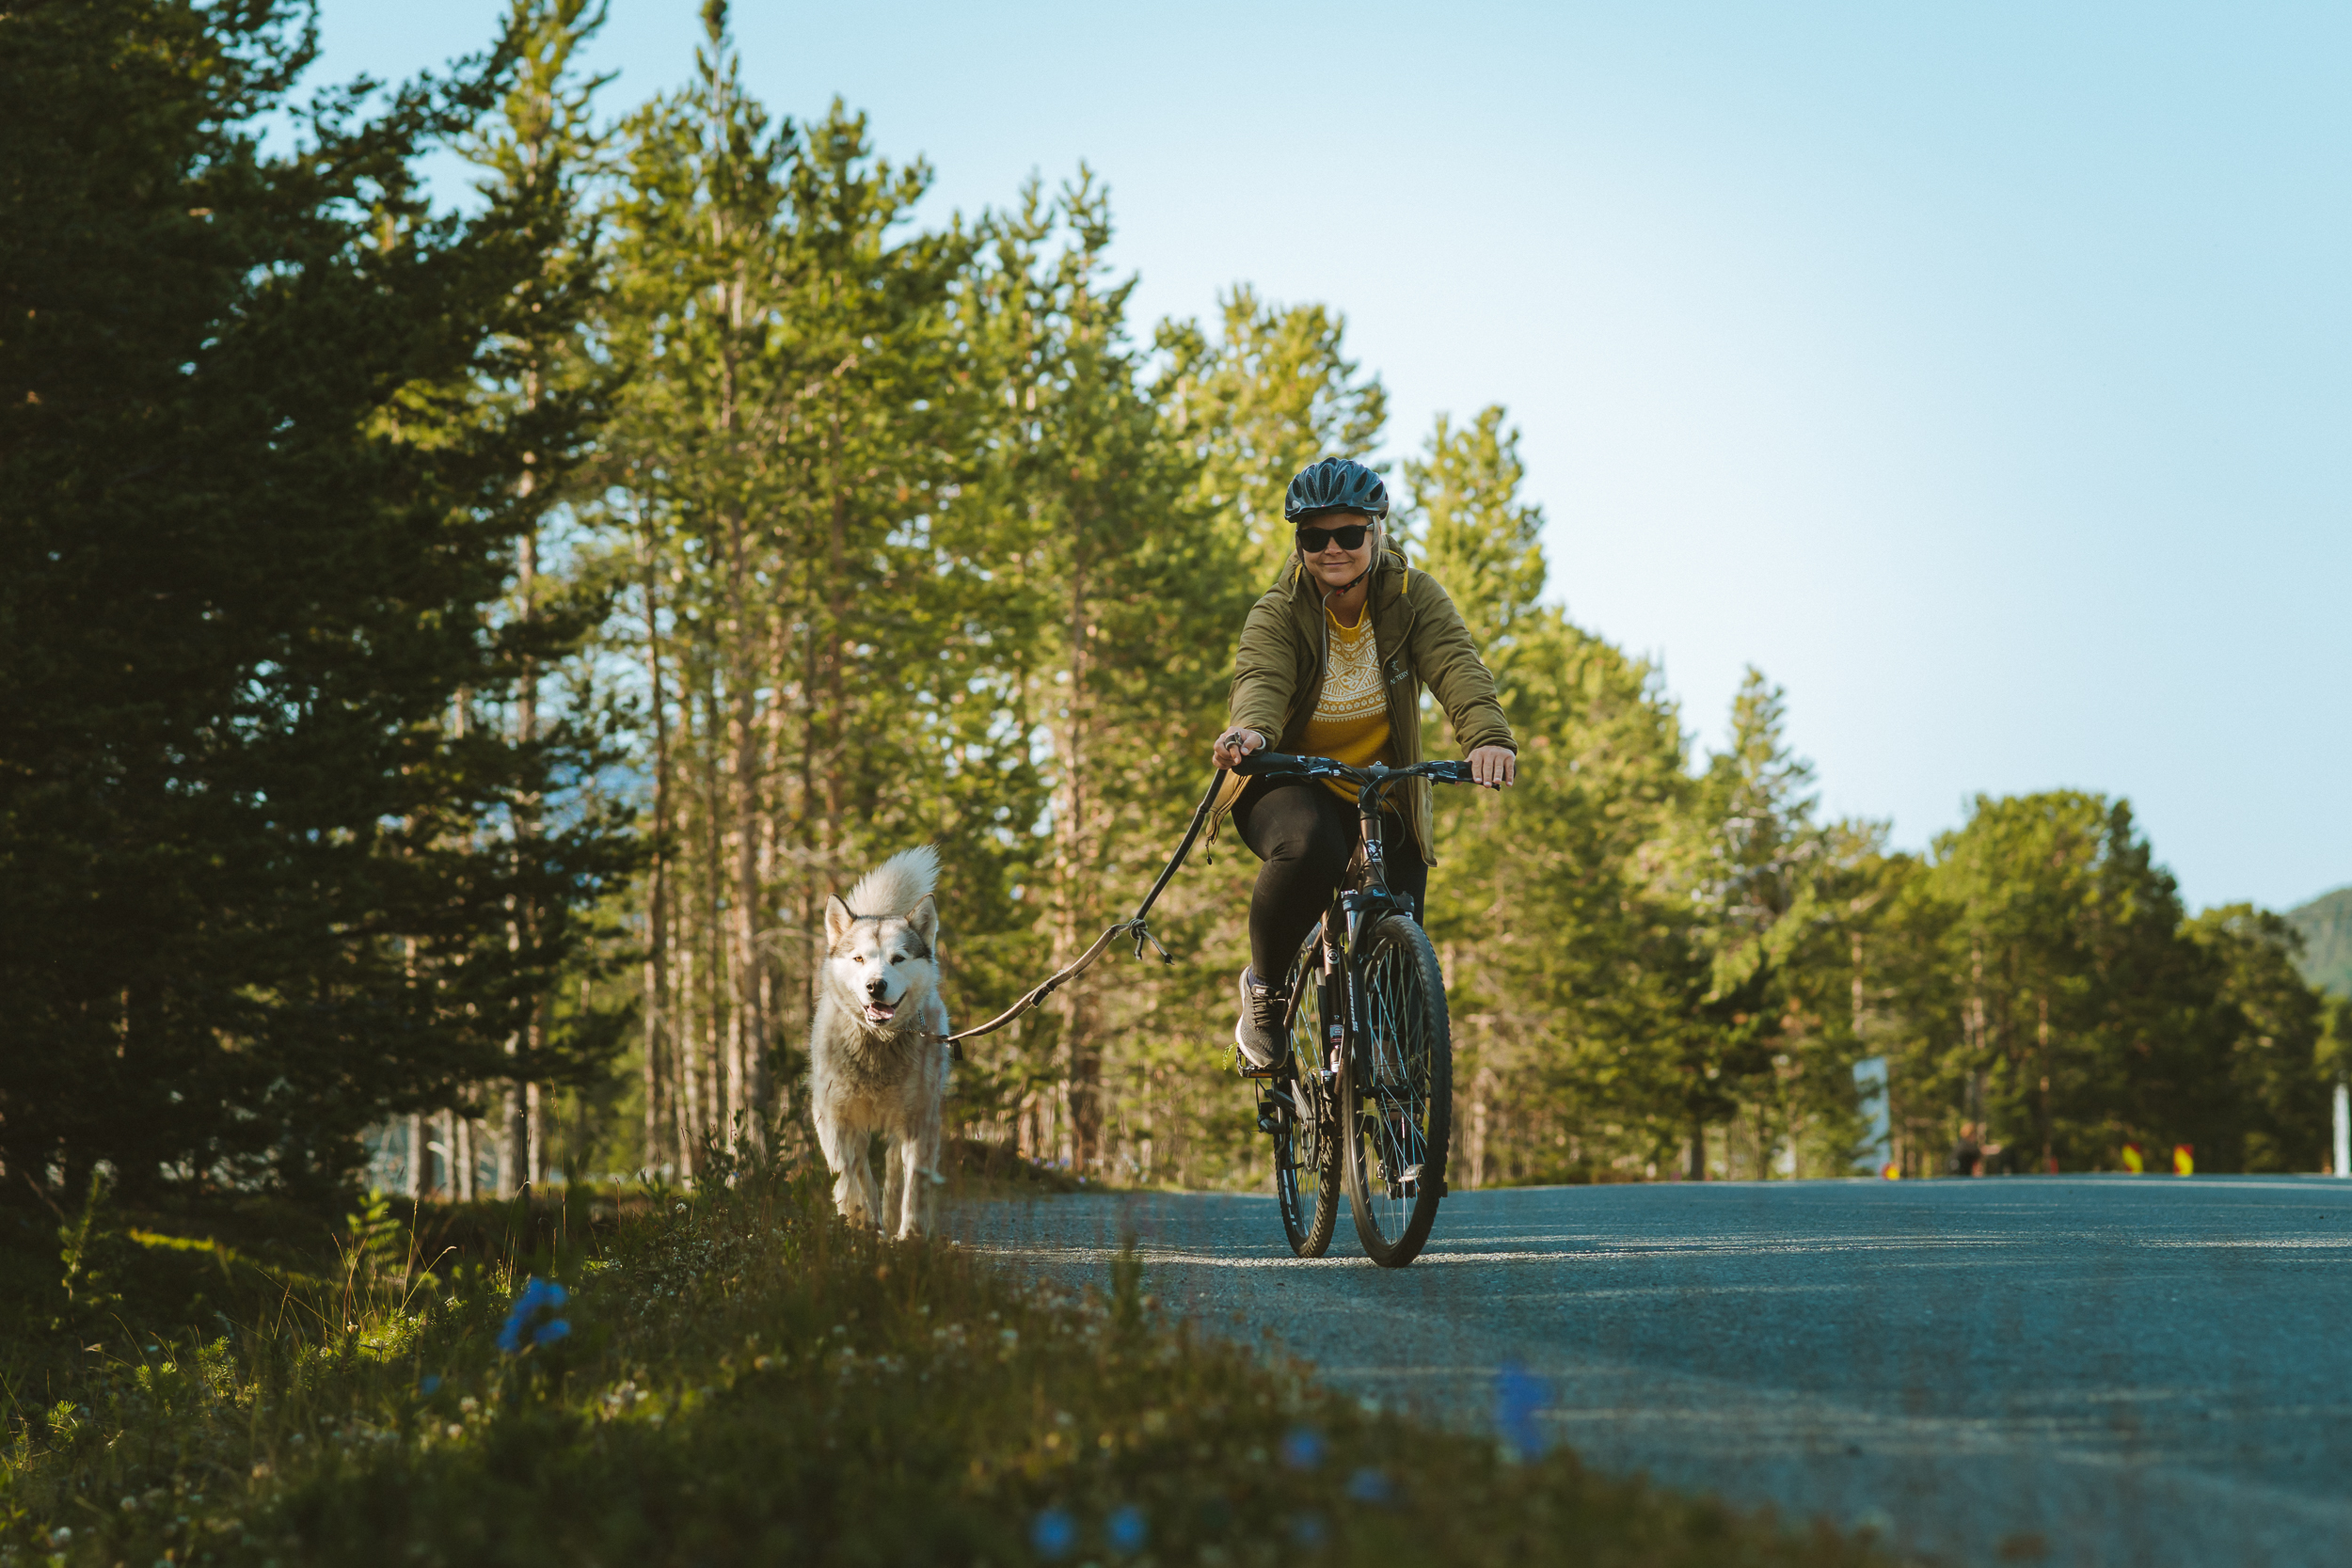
(784, 454)
(2267, 1024)
(259, 514)
(540, 152)
(1543, 899)
(1473, 530)
(1088, 505)
(1272, 394)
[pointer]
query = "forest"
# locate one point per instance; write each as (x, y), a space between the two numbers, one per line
(452, 644)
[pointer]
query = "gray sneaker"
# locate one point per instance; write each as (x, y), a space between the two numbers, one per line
(1259, 1030)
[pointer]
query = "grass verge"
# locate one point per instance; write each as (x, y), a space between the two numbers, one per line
(739, 1379)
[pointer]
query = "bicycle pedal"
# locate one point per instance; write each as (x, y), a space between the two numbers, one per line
(1269, 1117)
(1272, 1069)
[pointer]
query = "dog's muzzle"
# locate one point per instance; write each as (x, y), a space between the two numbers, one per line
(878, 1009)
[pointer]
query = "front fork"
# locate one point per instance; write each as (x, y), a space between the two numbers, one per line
(1358, 909)
(1334, 1007)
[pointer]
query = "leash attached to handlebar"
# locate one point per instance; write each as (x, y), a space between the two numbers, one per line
(1134, 924)
(1251, 766)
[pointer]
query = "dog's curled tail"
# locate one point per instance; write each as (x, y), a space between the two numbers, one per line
(896, 885)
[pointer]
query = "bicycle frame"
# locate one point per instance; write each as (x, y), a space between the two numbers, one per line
(1363, 895)
(1358, 1096)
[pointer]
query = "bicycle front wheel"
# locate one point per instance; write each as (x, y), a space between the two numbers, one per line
(1397, 1093)
(1306, 1155)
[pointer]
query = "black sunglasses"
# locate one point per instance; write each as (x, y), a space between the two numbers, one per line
(1315, 540)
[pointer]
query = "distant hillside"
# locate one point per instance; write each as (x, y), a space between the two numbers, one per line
(2325, 923)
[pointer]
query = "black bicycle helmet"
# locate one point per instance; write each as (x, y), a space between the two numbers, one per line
(1336, 485)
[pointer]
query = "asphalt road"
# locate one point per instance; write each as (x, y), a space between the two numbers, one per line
(2117, 1370)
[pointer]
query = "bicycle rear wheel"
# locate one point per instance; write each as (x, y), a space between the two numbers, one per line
(1306, 1155)
(1397, 1093)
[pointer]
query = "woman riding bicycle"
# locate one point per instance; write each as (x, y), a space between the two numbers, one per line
(1331, 662)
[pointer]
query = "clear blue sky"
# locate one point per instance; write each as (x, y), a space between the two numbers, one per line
(1980, 371)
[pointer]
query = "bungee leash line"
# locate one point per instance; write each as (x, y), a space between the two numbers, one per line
(1134, 924)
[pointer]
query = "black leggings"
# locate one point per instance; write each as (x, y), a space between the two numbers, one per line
(1305, 834)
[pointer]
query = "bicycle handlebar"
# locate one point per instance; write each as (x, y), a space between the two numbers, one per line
(1278, 763)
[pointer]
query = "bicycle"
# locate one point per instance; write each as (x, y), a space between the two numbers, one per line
(1363, 1092)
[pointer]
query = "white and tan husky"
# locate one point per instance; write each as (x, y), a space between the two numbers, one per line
(876, 1063)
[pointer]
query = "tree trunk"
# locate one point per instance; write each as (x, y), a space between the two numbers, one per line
(1081, 1042)
(783, 955)
(685, 1038)
(1854, 1013)
(719, 1118)
(749, 970)
(747, 1054)
(522, 1045)
(1482, 1092)
(656, 881)
(2049, 1156)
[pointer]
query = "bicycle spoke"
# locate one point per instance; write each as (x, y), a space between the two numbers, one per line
(1388, 1098)
(1398, 1094)
(1306, 1169)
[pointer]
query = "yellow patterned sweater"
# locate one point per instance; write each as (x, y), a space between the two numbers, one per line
(1351, 720)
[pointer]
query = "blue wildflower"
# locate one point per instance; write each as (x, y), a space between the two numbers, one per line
(1309, 1531)
(540, 1297)
(1302, 1448)
(1519, 1395)
(431, 1385)
(1125, 1528)
(1369, 1485)
(1053, 1533)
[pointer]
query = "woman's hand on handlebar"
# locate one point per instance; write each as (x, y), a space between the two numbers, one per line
(1494, 766)
(1236, 744)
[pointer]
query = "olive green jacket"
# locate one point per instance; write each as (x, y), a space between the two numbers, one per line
(1279, 672)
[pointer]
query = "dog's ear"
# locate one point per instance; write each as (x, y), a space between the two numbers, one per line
(924, 920)
(837, 919)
